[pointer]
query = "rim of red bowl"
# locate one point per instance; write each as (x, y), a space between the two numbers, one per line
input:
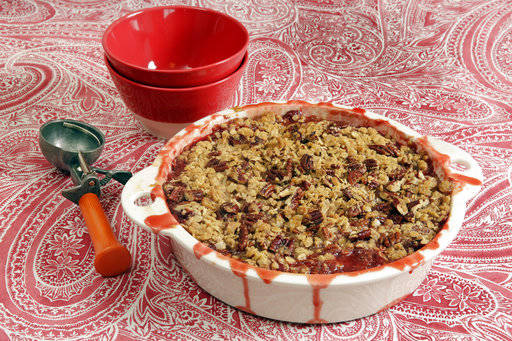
(108, 52)
(199, 87)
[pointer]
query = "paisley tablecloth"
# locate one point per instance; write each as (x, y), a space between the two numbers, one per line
(441, 66)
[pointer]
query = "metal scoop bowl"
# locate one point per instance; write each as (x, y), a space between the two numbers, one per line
(73, 146)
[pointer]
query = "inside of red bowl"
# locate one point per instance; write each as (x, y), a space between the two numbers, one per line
(175, 38)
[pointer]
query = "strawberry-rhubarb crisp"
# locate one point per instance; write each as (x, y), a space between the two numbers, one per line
(305, 195)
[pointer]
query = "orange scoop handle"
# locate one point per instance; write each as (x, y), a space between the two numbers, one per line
(111, 258)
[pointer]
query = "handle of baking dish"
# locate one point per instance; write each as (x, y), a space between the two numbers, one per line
(136, 197)
(462, 165)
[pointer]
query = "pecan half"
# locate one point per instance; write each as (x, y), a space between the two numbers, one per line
(380, 149)
(289, 168)
(314, 218)
(389, 149)
(267, 190)
(252, 218)
(356, 166)
(371, 164)
(306, 163)
(229, 208)
(217, 164)
(232, 141)
(393, 149)
(243, 237)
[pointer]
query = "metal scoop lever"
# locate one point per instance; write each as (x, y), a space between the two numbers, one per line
(72, 146)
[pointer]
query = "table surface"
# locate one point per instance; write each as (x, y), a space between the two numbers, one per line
(443, 67)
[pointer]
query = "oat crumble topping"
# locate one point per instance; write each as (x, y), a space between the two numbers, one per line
(307, 196)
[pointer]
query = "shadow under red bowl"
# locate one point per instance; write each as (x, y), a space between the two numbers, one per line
(165, 111)
(175, 46)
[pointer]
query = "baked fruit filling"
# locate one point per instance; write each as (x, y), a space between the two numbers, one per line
(304, 195)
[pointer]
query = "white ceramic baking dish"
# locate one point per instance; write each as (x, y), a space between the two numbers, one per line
(289, 296)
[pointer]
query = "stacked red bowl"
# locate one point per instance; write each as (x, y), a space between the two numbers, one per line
(173, 65)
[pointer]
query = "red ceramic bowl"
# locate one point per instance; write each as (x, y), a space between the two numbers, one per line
(165, 111)
(175, 46)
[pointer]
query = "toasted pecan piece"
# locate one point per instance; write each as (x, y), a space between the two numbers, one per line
(371, 164)
(278, 242)
(354, 176)
(397, 174)
(243, 237)
(387, 240)
(306, 163)
(229, 208)
(178, 166)
(177, 194)
(296, 198)
(266, 191)
(335, 128)
(214, 153)
(252, 218)
(347, 193)
(195, 195)
(314, 218)
(239, 175)
(364, 234)
(292, 116)
(217, 164)
(275, 175)
(389, 149)
(183, 214)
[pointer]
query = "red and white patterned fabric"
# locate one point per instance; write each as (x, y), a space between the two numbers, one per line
(443, 67)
